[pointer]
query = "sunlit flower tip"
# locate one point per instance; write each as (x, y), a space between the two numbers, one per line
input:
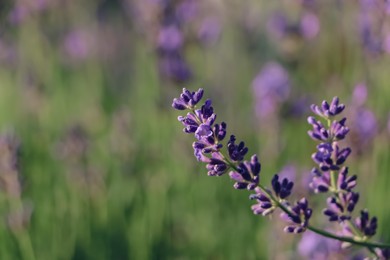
(237, 152)
(282, 188)
(187, 99)
(264, 204)
(365, 224)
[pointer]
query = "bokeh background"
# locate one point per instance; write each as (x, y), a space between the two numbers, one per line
(93, 162)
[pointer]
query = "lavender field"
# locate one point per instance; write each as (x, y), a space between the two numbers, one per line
(94, 163)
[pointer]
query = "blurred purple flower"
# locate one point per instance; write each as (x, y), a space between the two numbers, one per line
(170, 38)
(18, 14)
(271, 87)
(309, 26)
(187, 10)
(373, 33)
(22, 10)
(209, 30)
(78, 45)
(277, 25)
(359, 94)
(364, 124)
(313, 246)
(174, 67)
(289, 171)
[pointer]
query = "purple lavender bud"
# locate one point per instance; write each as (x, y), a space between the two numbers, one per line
(326, 110)
(236, 152)
(216, 165)
(178, 104)
(220, 131)
(187, 100)
(340, 207)
(338, 130)
(345, 182)
(342, 155)
(319, 132)
(204, 130)
(335, 210)
(299, 219)
(351, 198)
(190, 123)
(282, 188)
(206, 112)
(323, 157)
(365, 224)
(325, 154)
(247, 174)
(264, 204)
(320, 183)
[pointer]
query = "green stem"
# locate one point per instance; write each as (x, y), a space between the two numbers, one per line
(333, 180)
(348, 239)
